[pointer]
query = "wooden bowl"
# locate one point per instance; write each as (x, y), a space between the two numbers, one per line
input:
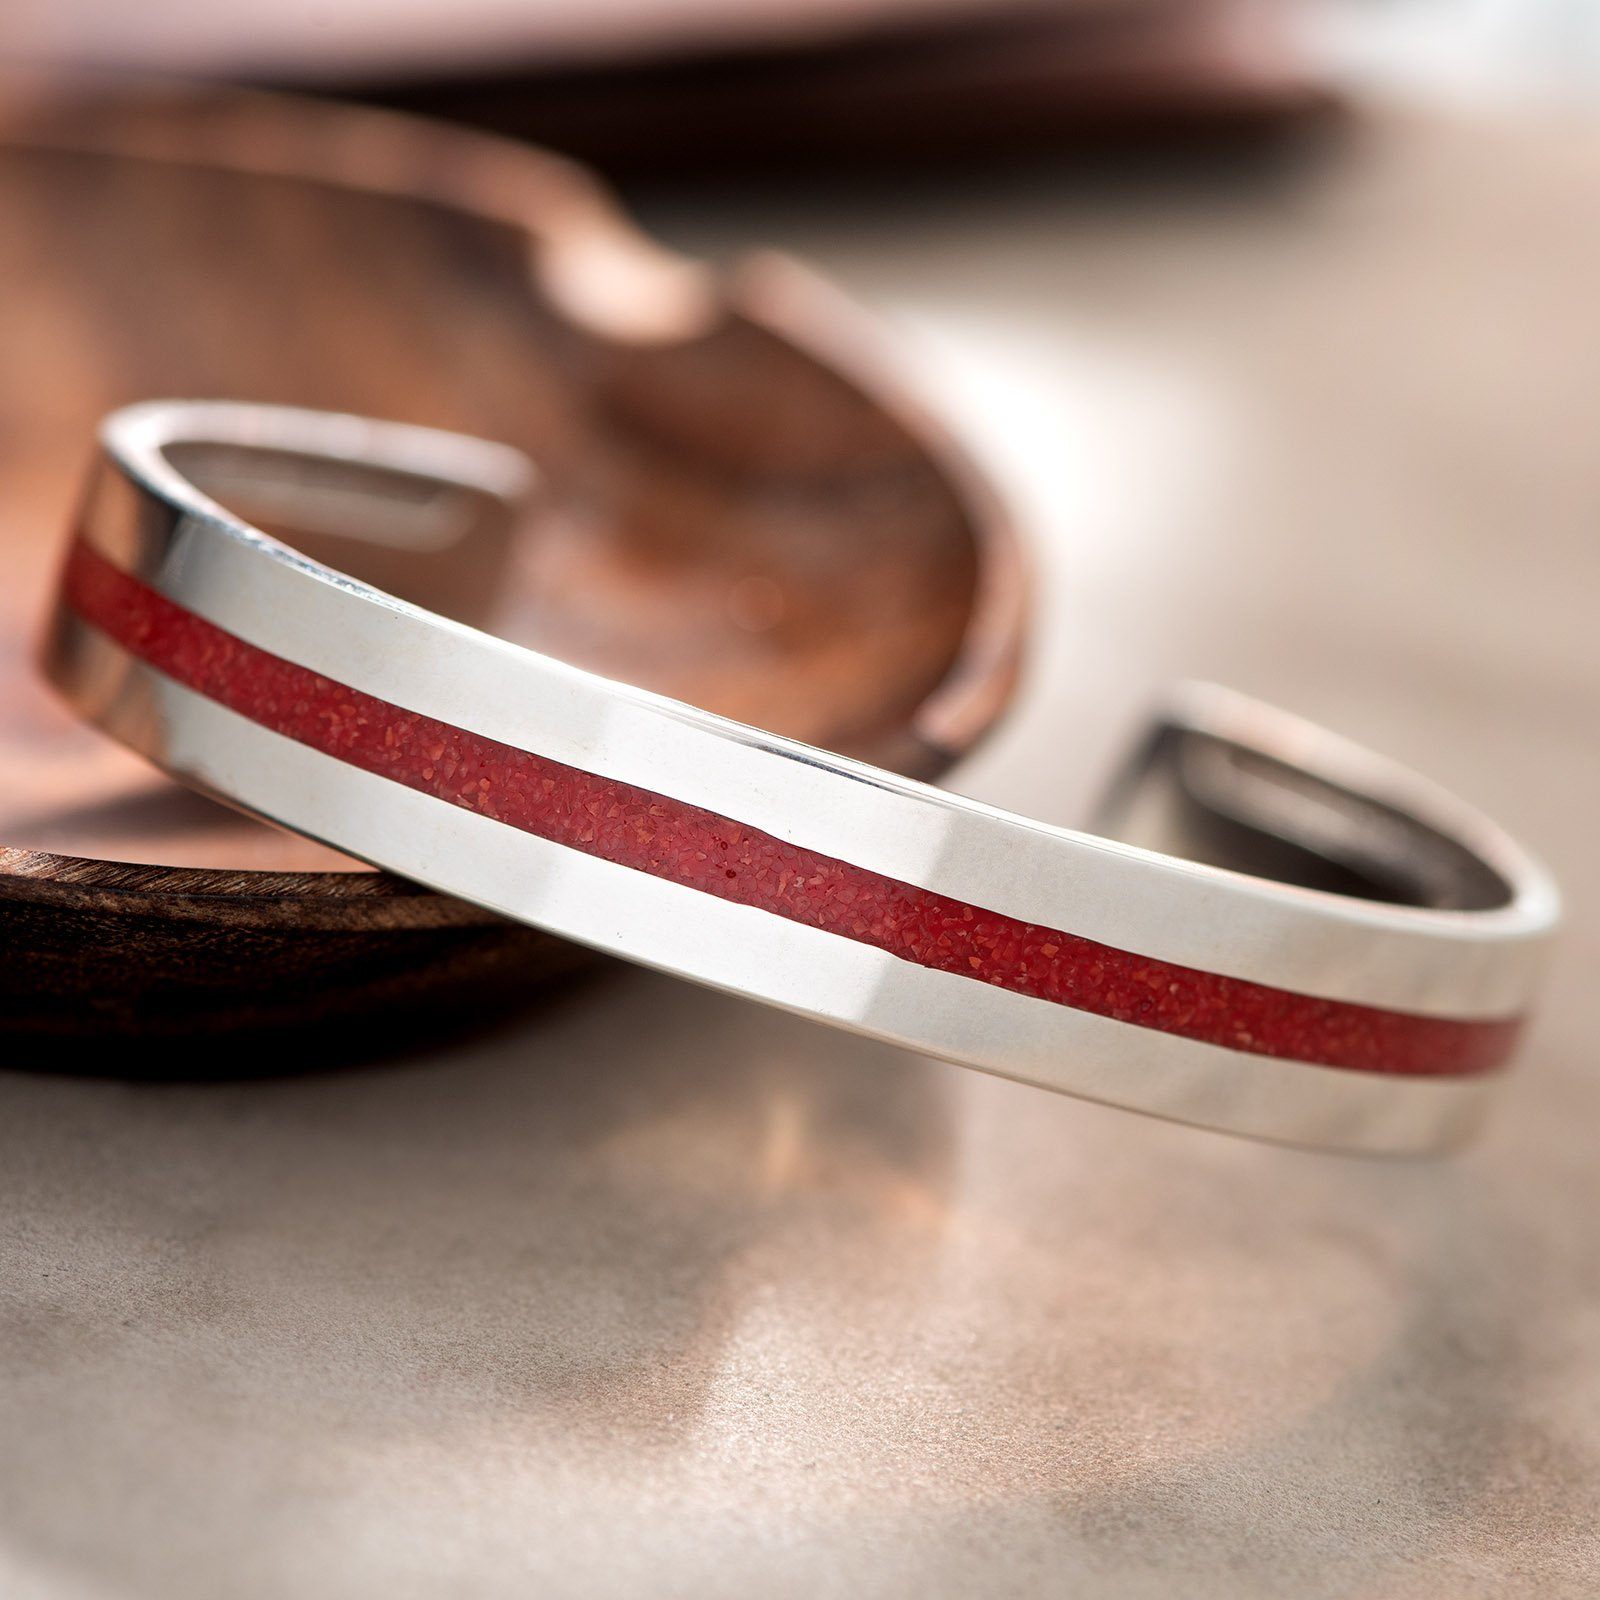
(743, 512)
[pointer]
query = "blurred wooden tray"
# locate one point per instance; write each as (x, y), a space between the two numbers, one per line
(743, 512)
(706, 86)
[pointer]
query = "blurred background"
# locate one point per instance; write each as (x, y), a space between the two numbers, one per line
(1275, 328)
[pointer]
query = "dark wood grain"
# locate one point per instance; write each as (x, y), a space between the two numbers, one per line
(699, 87)
(975, 85)
(741, 511)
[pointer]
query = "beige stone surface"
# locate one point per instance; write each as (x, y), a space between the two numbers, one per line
(662, 1294)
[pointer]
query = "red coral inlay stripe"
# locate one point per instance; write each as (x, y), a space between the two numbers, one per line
(716, 855)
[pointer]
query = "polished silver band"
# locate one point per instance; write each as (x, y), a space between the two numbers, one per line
(1288, 938)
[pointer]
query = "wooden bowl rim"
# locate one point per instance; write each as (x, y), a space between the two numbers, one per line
(554, 201)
